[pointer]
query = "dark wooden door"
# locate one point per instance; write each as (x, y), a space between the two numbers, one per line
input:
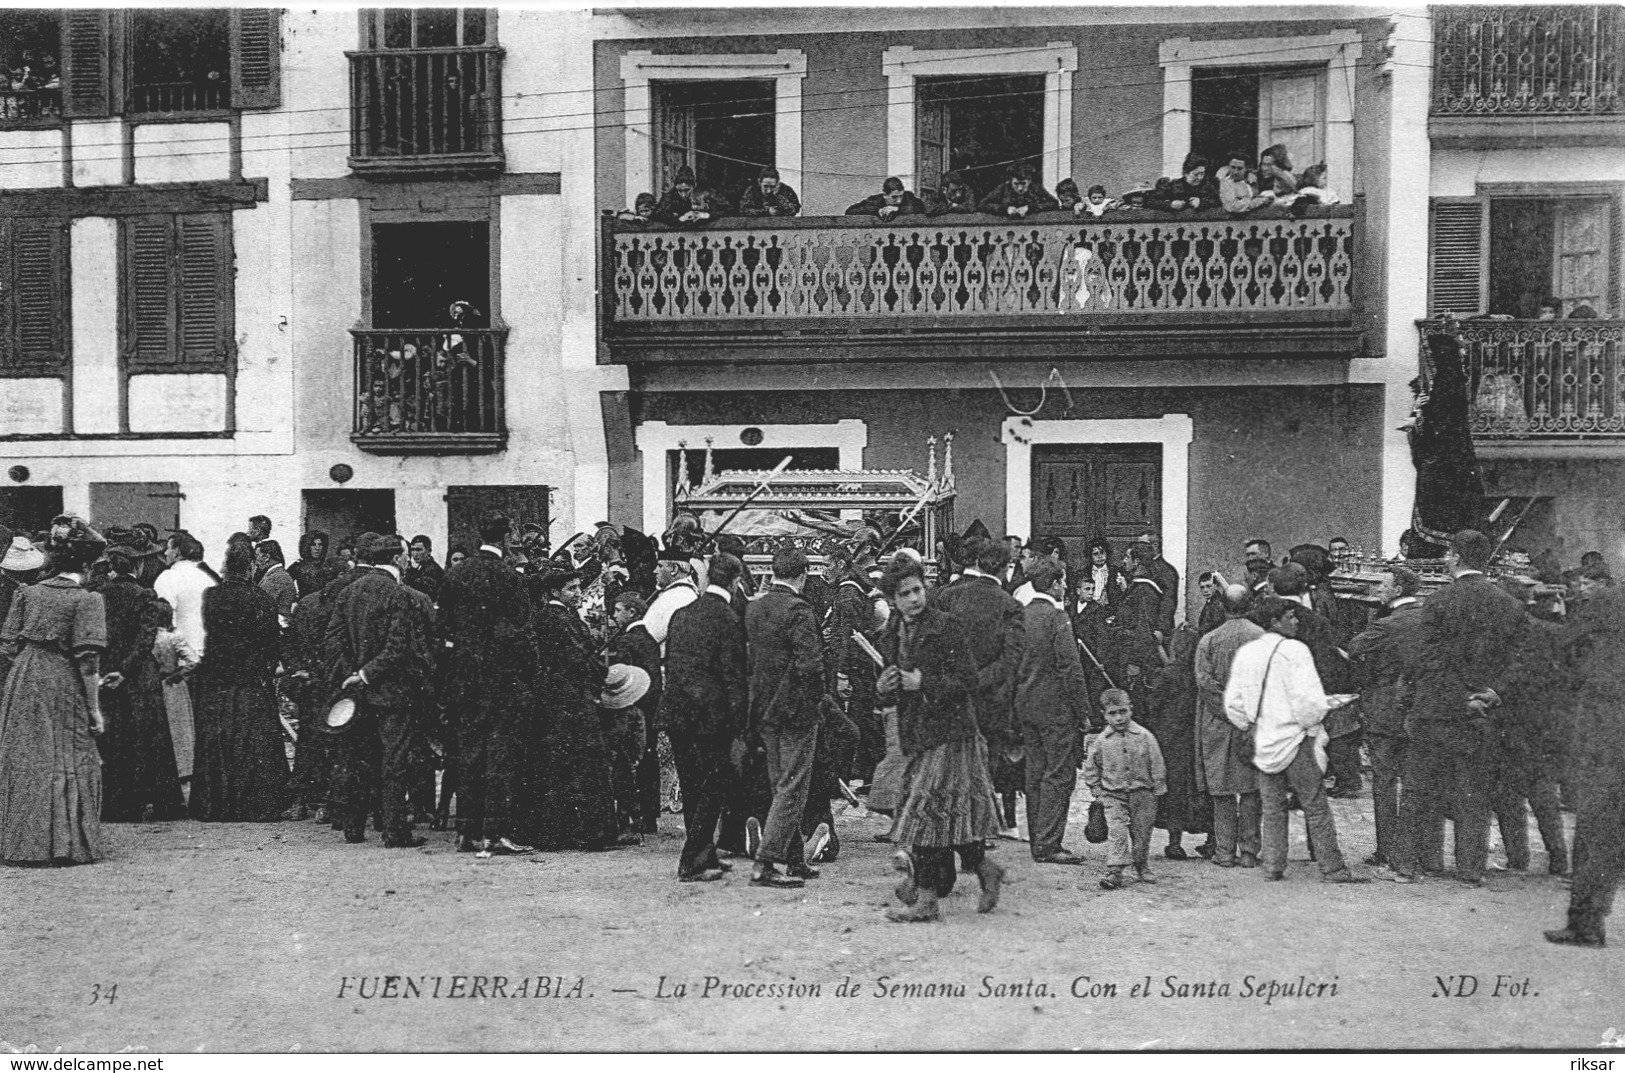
(520, 502)
(345, 513)
(124, 503)
(1081, 492)
(30, 510)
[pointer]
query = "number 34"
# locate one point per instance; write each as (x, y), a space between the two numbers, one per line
(103, 993)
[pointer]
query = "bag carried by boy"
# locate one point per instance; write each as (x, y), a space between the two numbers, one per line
(1095, 830)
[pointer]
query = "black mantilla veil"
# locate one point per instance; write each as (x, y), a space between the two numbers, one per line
(1449, 485)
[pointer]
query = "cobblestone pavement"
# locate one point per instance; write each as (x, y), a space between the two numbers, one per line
(282, 937)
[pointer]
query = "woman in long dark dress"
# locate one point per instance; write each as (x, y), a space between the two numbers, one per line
(50, 710)
(1170, 715)
(949, 807)
(139, 777)
(575, 797)
(241, 772)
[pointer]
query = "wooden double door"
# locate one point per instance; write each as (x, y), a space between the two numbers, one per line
(1084, 491)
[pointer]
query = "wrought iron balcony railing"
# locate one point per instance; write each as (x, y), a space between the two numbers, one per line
(1555, 380)
(1136, 269)
(429, 391)
(180, 97)
(426, 108)
(1499, 61)
(28, 107)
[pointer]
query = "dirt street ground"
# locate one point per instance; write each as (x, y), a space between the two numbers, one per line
(267, 937)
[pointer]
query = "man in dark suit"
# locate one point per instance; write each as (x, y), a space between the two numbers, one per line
(1469, 630)
(1094, 624)
(704, 705)
(993, 626)
(1053, 707)
(788, 695)
(1382, 653)
(378, 638)
(423, 573)
(485, 620)
(1014, 574)
(1163, 573)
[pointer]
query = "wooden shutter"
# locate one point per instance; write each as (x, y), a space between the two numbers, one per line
(179, 290)
(205, 282)
(86, 54)
(38, 306)
(149, 304)
(256, 57)
(1458, 244)
(930, 146)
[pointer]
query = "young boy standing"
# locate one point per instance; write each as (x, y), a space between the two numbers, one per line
(1125, 773)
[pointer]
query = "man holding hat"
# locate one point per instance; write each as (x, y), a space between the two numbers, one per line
(378, 636)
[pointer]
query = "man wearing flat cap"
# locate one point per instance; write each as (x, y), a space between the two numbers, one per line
(485, 623)
(378, 646)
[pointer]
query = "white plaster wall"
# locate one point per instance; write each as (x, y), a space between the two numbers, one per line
(178, 402)
(1457, 172)
(326, 288)
(94, 288)
(182, 152)
(1406, 300)
(546, 85)
(264, 320)
(98, 152)
(315, 90)
(30, 406)
(30, 158)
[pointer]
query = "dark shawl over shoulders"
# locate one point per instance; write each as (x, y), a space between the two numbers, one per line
(942, 710)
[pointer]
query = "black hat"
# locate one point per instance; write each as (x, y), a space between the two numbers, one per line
(552, 579)
(672, 555)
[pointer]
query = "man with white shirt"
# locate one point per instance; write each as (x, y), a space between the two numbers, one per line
(674, 588)
(183, 585)
(1275, 694)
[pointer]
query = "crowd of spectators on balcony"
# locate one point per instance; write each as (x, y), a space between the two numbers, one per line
(31, 81)
(1234, 189)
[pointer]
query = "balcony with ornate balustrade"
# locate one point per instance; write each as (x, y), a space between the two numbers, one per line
(1131, 285)
(422, 391)
(1511, 76)
(1552, 383)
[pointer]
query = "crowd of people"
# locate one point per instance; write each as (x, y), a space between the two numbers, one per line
(1233, 185)
(559, 700)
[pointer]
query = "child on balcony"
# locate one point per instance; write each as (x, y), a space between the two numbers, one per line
(956, 196)
(1097, 204)
(641, 212)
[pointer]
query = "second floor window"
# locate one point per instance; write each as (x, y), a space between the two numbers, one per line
(722, 130)
(427, 85)
(34, 311)
(30, 65)
(178, 292)
(1247, 110)
(1507, 256)
(181, 60)
(979, 126)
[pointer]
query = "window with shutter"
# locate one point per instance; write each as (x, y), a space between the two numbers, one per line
(256, 44)
(1456, 247)
(178, 292)
(85, 62)
(34, 312)
(39, 288)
